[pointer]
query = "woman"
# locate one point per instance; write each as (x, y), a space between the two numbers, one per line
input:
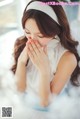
(46, 58)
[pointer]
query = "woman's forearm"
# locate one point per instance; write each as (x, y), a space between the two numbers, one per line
(44, 89)
(21, 77)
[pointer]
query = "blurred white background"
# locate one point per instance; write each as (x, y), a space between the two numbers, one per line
(10, 27)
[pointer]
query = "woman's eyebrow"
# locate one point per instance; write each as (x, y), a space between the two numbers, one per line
(36, 32)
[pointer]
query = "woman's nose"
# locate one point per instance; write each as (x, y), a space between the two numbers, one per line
(31, 37)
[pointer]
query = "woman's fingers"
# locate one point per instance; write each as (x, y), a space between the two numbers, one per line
(33, 48)
(36, 49)
(38, 46)
(30, 54)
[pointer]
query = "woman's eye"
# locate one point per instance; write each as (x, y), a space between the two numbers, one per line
(41, 36)
(27, 32)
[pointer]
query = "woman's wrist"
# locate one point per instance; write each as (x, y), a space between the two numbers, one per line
(45, 71)
(45, 74)
(20, 63)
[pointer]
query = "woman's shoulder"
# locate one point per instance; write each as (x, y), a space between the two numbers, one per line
(66, 54)
(69, 59)
(65, 57)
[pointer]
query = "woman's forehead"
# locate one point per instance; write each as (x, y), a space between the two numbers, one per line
(31, 25)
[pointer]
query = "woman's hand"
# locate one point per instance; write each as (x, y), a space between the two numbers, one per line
(24, 55)
(38, 56)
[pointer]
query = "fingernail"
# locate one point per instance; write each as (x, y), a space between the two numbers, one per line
(35, 41)
(32, 41)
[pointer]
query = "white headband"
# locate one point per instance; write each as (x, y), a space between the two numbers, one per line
(36, 5)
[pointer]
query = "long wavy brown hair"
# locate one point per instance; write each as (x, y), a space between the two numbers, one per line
(49, 28)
